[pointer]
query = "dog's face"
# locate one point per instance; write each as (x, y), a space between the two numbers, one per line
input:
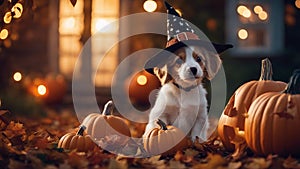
(189, 66)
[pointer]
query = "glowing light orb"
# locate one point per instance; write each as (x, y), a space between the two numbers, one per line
(142, 80)
(4, 34)
(17, 76)
(243, 34)
(42, 90)
(150, 5)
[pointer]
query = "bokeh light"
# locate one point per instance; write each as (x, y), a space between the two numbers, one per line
(17, 76)
(243, 34)
(150, 5)
(42, 90)
(3, 34)
(142, 80)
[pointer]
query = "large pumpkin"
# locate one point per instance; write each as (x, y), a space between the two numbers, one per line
(233, 116)
(274, 121)
(165, 140)
(105, 124)
(77, 141)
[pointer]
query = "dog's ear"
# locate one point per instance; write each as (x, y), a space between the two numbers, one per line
(162, 74)
(212, 64)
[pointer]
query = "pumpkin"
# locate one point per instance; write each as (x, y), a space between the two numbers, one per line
(165, 140)
(106, 124)
(234, 114)
(53, 91)
(274, 121)
(77, 141)
(140, 87)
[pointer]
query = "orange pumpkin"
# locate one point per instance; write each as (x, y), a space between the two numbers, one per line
(274, 121)
(50, 89)
(76, 141)
(140, 87)
(165, 140)
(105, 124)
(233, 116)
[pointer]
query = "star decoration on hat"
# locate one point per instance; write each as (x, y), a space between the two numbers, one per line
(176, 24)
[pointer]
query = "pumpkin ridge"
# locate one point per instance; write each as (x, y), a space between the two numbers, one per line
(266, 125)
(256, 126)
(250, 123)
(154, 143)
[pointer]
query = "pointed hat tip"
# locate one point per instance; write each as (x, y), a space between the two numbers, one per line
(168, 6)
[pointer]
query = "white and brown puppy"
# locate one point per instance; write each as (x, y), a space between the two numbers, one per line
(181, 66)
(181, 100)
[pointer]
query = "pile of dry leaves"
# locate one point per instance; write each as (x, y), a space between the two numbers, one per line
(31, 143)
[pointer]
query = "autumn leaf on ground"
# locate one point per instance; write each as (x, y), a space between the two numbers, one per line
(291, 163)
(77, 160)
(213, 161)
(117, 164)
(3, 120)
(15, 129)
(258, 163)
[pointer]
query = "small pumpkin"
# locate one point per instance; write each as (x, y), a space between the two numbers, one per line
(274, 121)
(234, 114)
(78, 141)
(165, 140)
(55, 88)
(101, 125)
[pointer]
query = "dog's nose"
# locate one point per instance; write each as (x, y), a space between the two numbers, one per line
(193, 70)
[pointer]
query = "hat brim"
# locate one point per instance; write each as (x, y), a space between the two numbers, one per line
(160, 58)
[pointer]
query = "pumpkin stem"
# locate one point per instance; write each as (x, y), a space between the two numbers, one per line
(162, 124)
(108, 108)
(81, 130)
(294, 83)
(266, 70)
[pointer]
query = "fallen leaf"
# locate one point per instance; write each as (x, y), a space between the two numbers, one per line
(176, 164)
(213, 161)
(291, 163)
(234, 165)
(258, 163)
(119, 164)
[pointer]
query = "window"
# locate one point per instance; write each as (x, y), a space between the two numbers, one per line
(255, 27)
(71, 27)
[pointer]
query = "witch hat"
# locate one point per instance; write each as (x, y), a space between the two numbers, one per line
(180, 33)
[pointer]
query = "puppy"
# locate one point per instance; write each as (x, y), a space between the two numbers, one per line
(181, 101)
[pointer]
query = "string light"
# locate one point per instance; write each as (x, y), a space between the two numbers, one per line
(263, 15)
(3, 34)
(257, 9)
(7, 17)
(17, 9)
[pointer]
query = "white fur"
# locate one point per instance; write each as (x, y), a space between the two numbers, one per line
(186, 110)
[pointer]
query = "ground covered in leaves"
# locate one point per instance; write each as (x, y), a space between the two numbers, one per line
(32, 143)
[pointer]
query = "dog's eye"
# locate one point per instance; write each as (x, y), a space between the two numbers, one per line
(179, 61)
(198, 59)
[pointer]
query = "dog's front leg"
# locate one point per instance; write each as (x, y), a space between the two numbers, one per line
(157, 112)
(186, 118)
(200, 128)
